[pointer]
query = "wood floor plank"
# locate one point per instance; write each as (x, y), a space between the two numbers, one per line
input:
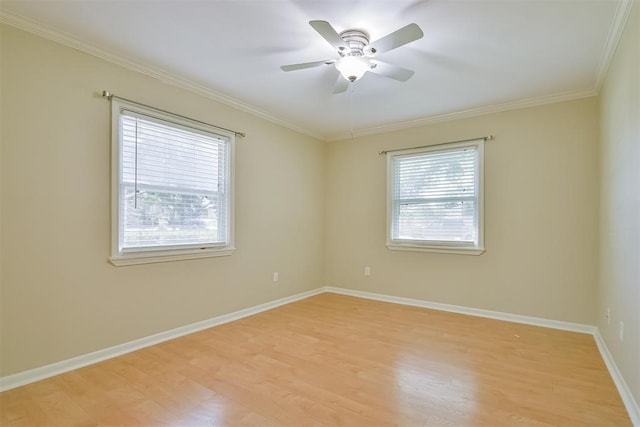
(334, 360)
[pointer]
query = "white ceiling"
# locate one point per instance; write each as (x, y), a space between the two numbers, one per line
(476, 55)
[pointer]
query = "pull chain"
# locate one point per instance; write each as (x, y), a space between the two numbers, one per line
(135, 184)
(351, 89)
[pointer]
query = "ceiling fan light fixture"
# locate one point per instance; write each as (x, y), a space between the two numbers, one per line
(353, 68)
(357, 55)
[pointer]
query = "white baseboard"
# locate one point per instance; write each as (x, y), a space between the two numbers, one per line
(627, 398)
(517, 318)
(625, 393)
(33, 375)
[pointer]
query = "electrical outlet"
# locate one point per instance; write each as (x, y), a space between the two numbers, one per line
(276, 276)
(367, 271)
(621, 331)
(608, 316)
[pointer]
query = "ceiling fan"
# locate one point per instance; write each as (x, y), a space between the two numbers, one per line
(357, 54)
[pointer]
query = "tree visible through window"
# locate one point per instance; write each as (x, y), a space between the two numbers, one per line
(435, 197)
(173, 185)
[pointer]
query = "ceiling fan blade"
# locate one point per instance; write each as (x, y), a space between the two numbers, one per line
(304, 65)
(341, 86)
(391, 71)
(330, 35)
(404, 35)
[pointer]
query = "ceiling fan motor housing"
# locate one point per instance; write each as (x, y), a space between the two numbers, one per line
(356, 53)
(356, 40)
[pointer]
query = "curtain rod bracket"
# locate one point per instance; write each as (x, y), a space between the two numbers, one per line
(110, 96)
(486, 138)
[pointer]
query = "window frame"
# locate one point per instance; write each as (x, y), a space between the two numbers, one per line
(133, 256)
(448, 247)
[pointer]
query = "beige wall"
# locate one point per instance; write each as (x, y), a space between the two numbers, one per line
(313, 211)
(619, 287)
(61, 298)
(540, 215)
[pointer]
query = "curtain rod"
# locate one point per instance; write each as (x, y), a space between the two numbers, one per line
(109, 95)
(486, 138)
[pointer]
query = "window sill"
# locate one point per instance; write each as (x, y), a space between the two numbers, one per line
(150, 258)
(436, 249)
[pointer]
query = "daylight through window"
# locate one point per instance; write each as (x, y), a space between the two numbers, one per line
(435, 198)
(173, 186)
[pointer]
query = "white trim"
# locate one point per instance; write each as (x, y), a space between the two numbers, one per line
(448, 247)
(508, 317)
(625, 393)
(43, 31)
(456, 250)
(627, 398)
(465, 114)
(150, 258)
(33, 27)
(613, 38)
(165, 253)
(33, 375)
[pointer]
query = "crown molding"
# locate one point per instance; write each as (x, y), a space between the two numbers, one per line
(43, 31)
(615, 32)
(464, 114)
(613, 38)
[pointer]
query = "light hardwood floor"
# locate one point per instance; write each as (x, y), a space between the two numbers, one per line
(334, 360)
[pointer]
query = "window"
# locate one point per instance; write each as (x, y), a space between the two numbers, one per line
(171, 187)
(435, 198)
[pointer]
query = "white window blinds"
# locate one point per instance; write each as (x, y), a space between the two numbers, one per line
(173, 185)
(434, 196)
